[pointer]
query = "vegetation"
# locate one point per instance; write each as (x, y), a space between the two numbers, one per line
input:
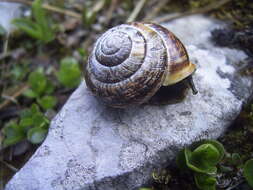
(40, 66)
(247, 172)
(40, 28)
(202, 160)
(33, 125)
(31, 91)
(207, 160)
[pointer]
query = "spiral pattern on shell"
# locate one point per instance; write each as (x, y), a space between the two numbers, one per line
(120, 62)
(130, 62)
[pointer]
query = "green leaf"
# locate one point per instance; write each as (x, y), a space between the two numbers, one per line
(49, 88)
(203, 158)
(29, 93)
(13, 134)
(11, 129)
(36, 135)
(33, 118)
(25, 113)
(40, 16)
(34, 109)
(47, 102)
(218, 146)
(206, 153)
(248, 172)
(205, 182)
(198, 160)
(16, 72)
(82, 52)
(69, 74)
(28, 26)
(40, 29)
(236, 159)
(88, 17)
(38, 82)
(8, 141)
(26, 117)
(19, 72)
(33, 125)
(39, 120)
(26, 122)
(145, 188)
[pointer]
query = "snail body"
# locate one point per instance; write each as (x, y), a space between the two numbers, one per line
(130, 62)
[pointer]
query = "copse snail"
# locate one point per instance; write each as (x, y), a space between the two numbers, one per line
(130, 62)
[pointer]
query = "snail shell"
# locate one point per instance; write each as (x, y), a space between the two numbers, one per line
(130, 62)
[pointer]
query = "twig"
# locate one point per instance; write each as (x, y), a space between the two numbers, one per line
(48, 7)
(10, 53)
(6, 43)
(89, 39)
(5, 54)
(206, 9)
(98, 6)
(136, 11)
(112, 8)
(9, 98)
(15, 95)
(156, 10)
(9, 166)
(238, 183)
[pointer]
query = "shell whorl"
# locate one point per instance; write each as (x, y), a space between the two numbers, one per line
(122, 59)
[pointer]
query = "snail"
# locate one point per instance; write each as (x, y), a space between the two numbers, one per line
(130, 62)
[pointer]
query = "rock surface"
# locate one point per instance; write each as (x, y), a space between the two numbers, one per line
(93, 147)
(9, 11)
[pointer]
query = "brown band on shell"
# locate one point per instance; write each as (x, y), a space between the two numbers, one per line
(178, 57)
(179, 66)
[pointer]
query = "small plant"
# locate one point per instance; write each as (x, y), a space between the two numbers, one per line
(162, 176)
(40, 27)
(13, 133)
(69, 74)
(202, 159)
(41, 88)
(88, 17)
(47, 102)
(250, 118)
(248, 172)
(234, 160)
(19, 71)
(33, 126)
(205, 181)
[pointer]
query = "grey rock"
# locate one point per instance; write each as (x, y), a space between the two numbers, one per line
(9, 11)
(93, 147)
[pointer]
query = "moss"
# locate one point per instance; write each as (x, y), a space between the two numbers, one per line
(239, 139)
(240, 13)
